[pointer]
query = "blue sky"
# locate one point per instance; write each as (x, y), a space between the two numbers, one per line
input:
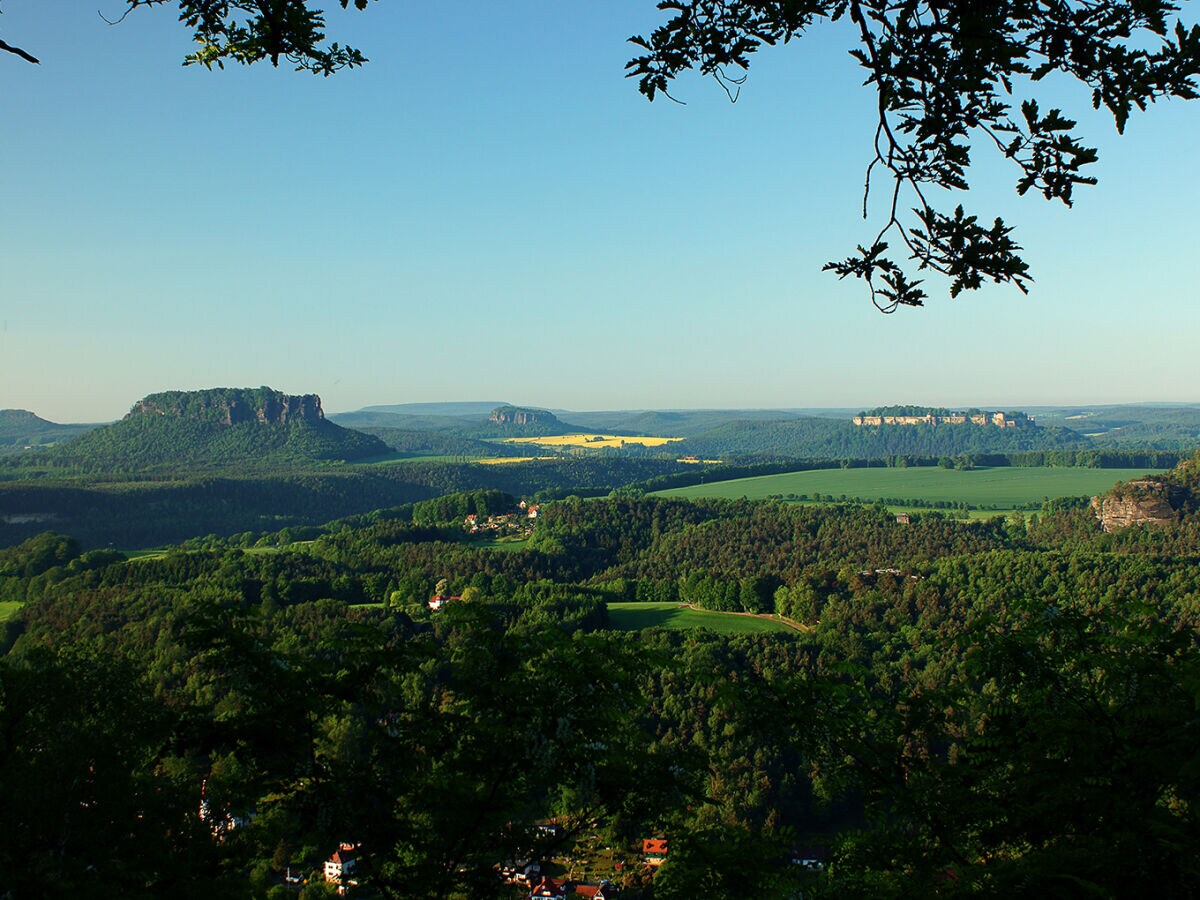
(489, 209)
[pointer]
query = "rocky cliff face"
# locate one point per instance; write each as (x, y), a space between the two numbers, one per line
(1141, 502)
(515, 415)
(232, 406)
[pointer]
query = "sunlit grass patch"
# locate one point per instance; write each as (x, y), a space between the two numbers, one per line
(636, 616)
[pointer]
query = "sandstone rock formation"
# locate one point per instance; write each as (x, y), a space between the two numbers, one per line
(515, 415)
(1141, 502)
(232, 406)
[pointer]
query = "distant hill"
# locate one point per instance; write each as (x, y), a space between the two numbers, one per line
(21, 430)
(215, 428)
(818, 438)
(672, 423)
(1130, 426)
(499, 421)
(414, 422)
(456, 409)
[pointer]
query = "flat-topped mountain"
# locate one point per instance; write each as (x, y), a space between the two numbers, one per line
(233, 406)
(215, 428)
(522, 416)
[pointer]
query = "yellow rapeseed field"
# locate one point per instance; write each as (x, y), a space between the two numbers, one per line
(592, 441)
(504, 460)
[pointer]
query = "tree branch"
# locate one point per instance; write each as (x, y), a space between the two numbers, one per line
(19, 52)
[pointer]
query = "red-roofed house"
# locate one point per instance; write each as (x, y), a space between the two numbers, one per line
(437, 601)
(654, 850)
(339, 868)
(603, 891)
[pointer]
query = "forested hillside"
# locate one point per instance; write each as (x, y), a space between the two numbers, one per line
(997, 709)
(109, 509)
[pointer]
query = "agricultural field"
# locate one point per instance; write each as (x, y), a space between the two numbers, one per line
(636, 616)
(999, 488)
(508, 460)
(592, 441)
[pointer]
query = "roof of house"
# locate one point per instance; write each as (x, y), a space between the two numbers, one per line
(341, 857)
(654, 845)
(604, 889)
(549, 887)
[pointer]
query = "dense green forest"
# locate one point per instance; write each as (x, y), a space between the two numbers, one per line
(1005, 708)
(143, 512)
(151, 509)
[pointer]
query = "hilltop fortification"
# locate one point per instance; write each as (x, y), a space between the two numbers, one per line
(910, 415)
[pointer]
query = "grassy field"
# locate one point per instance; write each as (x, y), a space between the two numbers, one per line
(636, 616)
(591, 441)
(998, 488)
(505, 545)
(8, 609)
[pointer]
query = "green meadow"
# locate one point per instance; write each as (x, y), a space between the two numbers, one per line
(636, 616)
(8, 608)
(996, 488)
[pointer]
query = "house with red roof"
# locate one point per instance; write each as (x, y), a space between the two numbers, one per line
(605, 890)
(437, 601)
(654, 851)
(339, 868)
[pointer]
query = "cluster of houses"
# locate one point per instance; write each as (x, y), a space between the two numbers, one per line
(505, 523)
(556, 889)
(542, 887)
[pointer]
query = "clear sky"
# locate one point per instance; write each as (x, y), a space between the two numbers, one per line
(490, 210)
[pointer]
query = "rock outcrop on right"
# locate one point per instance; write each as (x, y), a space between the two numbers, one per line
(1159, 501)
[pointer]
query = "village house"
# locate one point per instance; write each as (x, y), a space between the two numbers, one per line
(605, 890)
(437, 601)
(654, 851)
(519, 871)
(549, 889)
(220, 822)
(339, 868)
